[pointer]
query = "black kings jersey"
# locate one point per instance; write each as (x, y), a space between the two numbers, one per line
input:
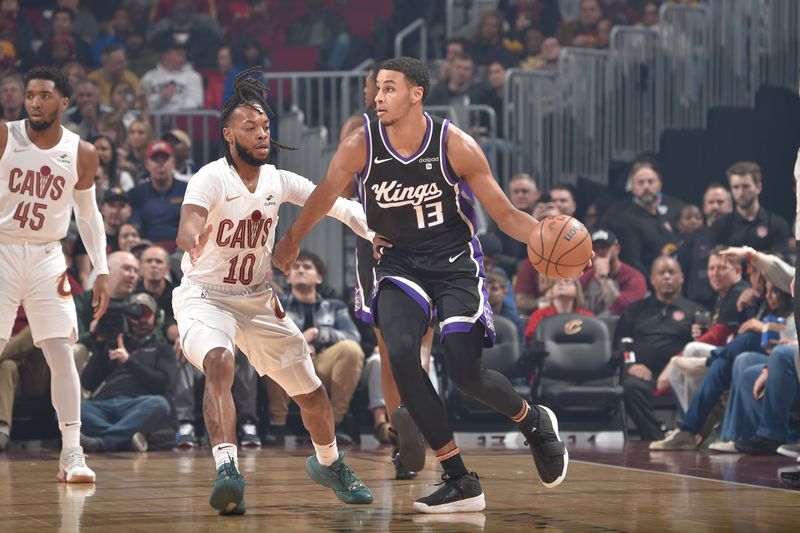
(417, 203)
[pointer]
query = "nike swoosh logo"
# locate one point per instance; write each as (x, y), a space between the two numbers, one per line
(20, 150)
(379, 161)
(451, 259)
(231, 198)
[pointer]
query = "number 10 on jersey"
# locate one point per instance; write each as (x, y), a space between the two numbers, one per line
(430, 213)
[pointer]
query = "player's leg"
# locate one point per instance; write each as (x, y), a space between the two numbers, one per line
(404, 323)
(54, 327)
(207, 332)
(326, 466)
(466, 326)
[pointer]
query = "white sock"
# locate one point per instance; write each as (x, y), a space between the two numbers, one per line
(327, 454)
(224, 452)
(70, 434)
(65, 389)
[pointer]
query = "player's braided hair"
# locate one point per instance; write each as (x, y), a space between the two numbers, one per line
(248, 91)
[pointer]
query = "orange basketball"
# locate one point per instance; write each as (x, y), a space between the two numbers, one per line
(560, 247)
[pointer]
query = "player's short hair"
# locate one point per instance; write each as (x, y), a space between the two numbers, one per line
(413, 69)
(316, 260)
(52, 74)
(745, 168)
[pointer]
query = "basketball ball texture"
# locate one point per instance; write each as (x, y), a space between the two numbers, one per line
(560, 247)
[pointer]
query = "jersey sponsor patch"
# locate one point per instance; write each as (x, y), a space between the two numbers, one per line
(678, 315)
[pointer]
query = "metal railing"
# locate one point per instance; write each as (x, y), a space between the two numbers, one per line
(202, 126)
(420, 26)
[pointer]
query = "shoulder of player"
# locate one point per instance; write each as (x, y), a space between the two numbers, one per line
(458, 141)
(87, 157)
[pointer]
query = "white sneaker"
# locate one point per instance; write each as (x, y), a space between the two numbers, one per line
(677, 439)
(790, 450)
(185, 435)
(139, 442)
(724, 446)
(72, 467)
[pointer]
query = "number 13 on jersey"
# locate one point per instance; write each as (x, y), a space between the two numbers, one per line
(430, 213)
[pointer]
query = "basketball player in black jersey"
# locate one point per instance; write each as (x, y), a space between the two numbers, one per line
(421, 176)
(408, 449)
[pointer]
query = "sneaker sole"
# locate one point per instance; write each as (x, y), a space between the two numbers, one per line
(554, 422)
(226, 499)
(412, 450)
(62, 477)
(788, 453)
(467, 505)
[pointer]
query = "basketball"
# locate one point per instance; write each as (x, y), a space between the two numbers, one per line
(560, 247)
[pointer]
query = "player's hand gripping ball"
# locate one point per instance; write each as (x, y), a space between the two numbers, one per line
(560, 247)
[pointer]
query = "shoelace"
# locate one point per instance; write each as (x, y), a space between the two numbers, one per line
(539, 434)
(229, 469)
(348, 478)
(74, 458)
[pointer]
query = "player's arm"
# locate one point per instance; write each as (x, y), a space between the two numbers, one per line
(90, 223)
(193, 232)
(348, 159)
(469, 162)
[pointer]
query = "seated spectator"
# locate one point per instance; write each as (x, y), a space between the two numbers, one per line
(657, 327)
(84, 22)
(153, 280)
(331, 335)
(720, 374)
(112, 32)
(649, 15)
(157, 202)
(523, 193)
(128, 236)
(109, 174)
(497, 284)
(123, 273)
(64, 35)
(219, 86)
(141, 58)
(325, 30)
(763, 391)
(127, 104)
(694, 250)
(454, 48)
(199, 33)
(549, 57)
(86, 112)
(643, 225)
(136, 144)
(492, 95)
(75, 73)
(583, 32)
(563, 198)
(514, 39)
(487, 44)
(115, 209)
(750, 224)
(685, 372)
(492, 250)
(689, 221)
(173, 85)
(113, 69)
(566, 297)
(182, 152)
(457, 91)
(20, 33)
(610, 285)
(128, 377)
(533, 39)
(12, 99)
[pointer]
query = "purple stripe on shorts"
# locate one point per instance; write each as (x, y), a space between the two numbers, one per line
(406, 288)
(465, 326)
(364, 316)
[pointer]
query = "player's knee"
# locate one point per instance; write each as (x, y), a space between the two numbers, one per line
(218, 365)
(400, 350)
(465, 379)
(158, 405)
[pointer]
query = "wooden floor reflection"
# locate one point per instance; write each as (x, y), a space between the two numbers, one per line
(168, 491)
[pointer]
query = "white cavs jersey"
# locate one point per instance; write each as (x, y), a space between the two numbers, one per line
(239, 249)
(36, 187)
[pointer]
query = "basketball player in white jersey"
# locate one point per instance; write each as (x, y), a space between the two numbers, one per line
(45, 171)
(227, 229)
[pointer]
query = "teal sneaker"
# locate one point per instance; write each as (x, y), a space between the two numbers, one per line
(227, 496)
(340, 478)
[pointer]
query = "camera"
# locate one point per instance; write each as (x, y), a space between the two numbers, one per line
(115, 320)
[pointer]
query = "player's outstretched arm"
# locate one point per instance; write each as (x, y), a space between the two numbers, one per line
(348, 160)
(469, 162)
(193, 233)
(90, 224)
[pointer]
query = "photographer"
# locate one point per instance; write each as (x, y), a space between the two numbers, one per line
(123, 272)
(128, 376)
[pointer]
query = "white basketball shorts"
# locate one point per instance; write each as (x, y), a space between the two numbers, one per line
(209, 317)
(34, 275)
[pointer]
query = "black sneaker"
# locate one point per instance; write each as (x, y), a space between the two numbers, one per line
(457, 495)
(549, 453)
(409, 441)
(757, 445)
(791, 478)
(90, 444)
(401, 472)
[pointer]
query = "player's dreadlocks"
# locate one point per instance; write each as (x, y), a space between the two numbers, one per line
(247, 91)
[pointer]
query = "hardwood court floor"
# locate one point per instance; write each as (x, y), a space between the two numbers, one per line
(168, 491)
